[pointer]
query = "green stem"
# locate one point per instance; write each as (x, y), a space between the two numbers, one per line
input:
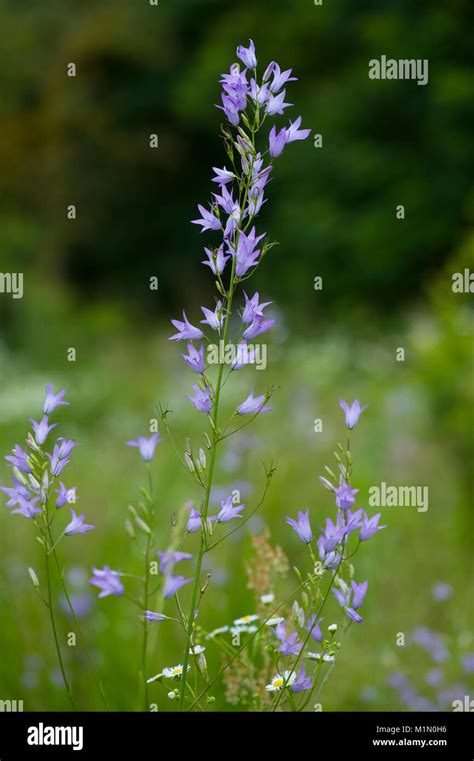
(55, 633)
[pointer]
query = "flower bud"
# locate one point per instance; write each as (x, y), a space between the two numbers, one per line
(33, 578)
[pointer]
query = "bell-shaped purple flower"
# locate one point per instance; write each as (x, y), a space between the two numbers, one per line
(169, 558)
(173, 584)
(194, 521)
(77, 525)
(146, 445)
(53, 400)
(312, 625)
(65, 495)
(107, 581)
(294, 132)
(289, 645)
(186, 331)
(370, 526)
(19, 459)
(195, 358)
(252, 308)
(302, 682)
(277, 141)
(42, 429)
(208, 220)
(247, 55)
(217, 260)
(275, 104)
(229, 511)
(252, 405)
(150, 615)
(258, 326)
(302, 526)
(27, 507)
(345, 496)
(352, 412)
(201, 399)
(215, 319)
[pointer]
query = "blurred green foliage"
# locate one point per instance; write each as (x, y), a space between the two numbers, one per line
(143, 69)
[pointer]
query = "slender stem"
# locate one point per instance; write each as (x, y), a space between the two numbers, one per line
(202, 544)
(55, 633)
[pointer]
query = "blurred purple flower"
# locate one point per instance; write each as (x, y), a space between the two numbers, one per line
(289, 645)
(194, 521)
(302, 682)
(252, 405)
(312, 625)
(173, 584)
(146, 446)
(107, 581)
(149, 615)
(169, 558)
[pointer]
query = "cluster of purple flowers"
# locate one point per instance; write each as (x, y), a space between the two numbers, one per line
(34, 474)
(241, 193)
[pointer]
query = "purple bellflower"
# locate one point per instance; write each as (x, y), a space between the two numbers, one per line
(352, 412)
(53, 400)
(370, 526)
(65, 495)
(146, 446)
(252, 405)
(19, 459)
(289, 645)
(186, 331)
(302, 526)
(42, 429)
(194, 522)
(312, 625)
(201, 399)
(247, 55)
(77, 525)
(345, 496)
(229, 511)
(169, 558)
(107, 581)
(173, 584)
(195, 358)
(302, 682)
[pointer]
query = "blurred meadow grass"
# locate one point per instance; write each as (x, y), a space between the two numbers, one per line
(416, 430)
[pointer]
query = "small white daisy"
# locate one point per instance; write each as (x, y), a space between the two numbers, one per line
(196, 650)
(174, 671)
(267, 599)
(245, 620)
(332, 628)
(275, 621)
(281, 680)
